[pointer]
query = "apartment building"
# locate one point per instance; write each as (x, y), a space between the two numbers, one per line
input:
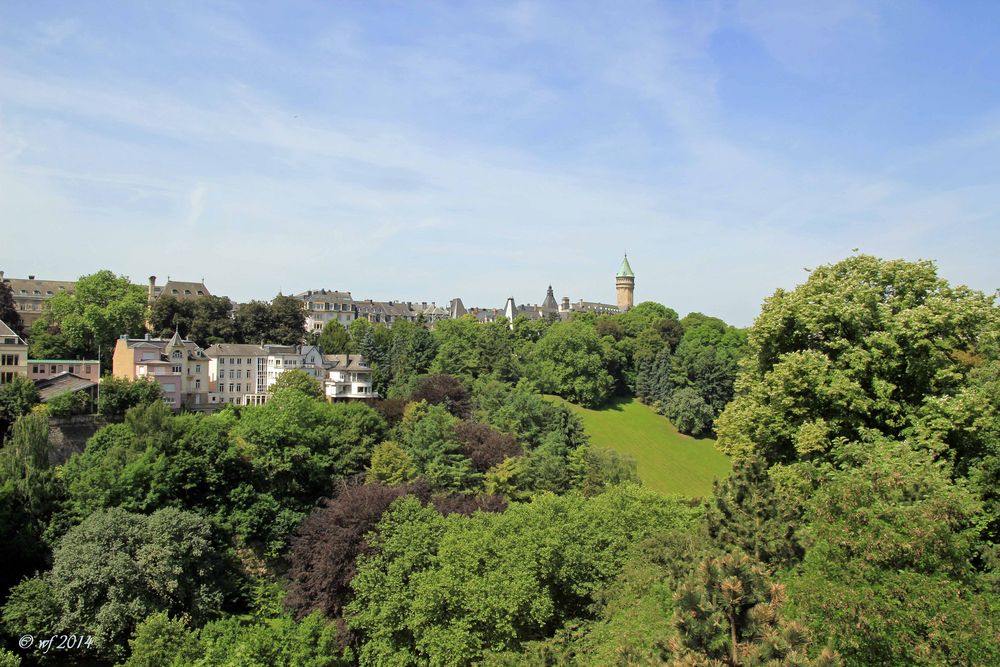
(13, 355)
(242, 374)
(178, 365)
(323, 306)
(31, 296)
(348, 376)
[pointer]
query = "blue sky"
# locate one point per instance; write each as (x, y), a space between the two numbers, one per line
(425, 151)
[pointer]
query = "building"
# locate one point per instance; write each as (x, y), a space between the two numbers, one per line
(347, 377)
(323, 306)
(13, 355)
(179, 366)
(237, 373)
(30, 295)
(625, 285)
(177, 289)
(44, 369)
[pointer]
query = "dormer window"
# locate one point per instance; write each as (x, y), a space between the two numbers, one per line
(174, 291)
(187, 291)
(176, 354)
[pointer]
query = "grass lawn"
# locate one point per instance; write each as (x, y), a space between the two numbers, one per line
(667, 461)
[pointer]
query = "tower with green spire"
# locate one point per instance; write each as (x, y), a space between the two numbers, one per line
(625, 284)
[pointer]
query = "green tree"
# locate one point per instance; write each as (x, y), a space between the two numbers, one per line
(102, 308)
(689, 412)
(334, 338)
(118, 394)
(458, 350)
(116, 568)
(865, 344)
(288, 320)
(729, 613)
(435, 450)
(391, 465)
(570, 360)
(17, 397)
(297, 380)
(888, 571)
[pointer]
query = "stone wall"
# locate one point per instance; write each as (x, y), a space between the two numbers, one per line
(69, 435)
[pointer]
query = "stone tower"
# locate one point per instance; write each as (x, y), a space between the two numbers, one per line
(625, 284)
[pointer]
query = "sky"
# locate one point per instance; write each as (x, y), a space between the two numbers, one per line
(425, 151)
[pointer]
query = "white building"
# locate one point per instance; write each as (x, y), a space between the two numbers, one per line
(323, 305)
(242, 374)
(347, 376)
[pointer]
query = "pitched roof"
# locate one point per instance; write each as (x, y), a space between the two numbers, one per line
(57, 385)
(236, 350)
(625, 271)
(182, 290)
(7, 332)
(345, 362)
(27, 287)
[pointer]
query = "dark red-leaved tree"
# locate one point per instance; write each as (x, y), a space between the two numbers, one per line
(485, 446)
(446, 390)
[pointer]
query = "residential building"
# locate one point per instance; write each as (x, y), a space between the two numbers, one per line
(13, 355)
(179, 366)
(348, 376)
(31, 295)
(323, 306)
(44, 369)
(64, 383)
(237, 373)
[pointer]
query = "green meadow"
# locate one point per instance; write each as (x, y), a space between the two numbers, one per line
(667, 461)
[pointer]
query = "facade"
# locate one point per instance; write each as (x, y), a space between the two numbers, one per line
(179, 366)
(44, 369)
(243, 374)
(347, 376)
(625, 285)
(13, 355)
(323, 306)
(31, 295)
(237, 373)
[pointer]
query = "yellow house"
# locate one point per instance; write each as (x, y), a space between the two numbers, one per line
(13, 355)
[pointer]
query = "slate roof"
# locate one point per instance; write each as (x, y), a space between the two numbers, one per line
(25, 288)
(235, 350)
(181, 290)
(57, 385)
(7, 332)
(345, 362)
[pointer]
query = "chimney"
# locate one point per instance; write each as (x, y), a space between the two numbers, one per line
(152, 288)
(565, 303)
(149, 336)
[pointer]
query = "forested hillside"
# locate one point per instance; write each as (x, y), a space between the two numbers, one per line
(466, 519)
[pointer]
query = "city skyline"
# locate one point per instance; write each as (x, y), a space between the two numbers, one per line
(440, 151)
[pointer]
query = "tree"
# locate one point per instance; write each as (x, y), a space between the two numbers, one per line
(297, 380)
(457, 348)
(445, 390)
(102, 308)
(453, 590)
(205, 320)
(746, 513)
(391, 464)
(326, 546)
(334, 338)
(570, 360)
(730, 613)
(288, 320)
(430, 440)
(865, 344)
(8, 310)
(485, 446)
(689, 412)
(17, 397)
(118, 394)
(115, 569)
(592, 469)
(888, 572)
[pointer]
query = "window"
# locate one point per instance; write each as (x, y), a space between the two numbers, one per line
(239, 387)
(176, 354)
(34, 369)
(72, 369)
(197, 384)
(230, 387)
(197, 368)
(231, 361)
(52, 369)
(239, 360)
(222, 360)
(6, 377)
(248, 375)
(248, 361)
(169, 388)
(176, 369)
(86, 369)
(8, 360)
